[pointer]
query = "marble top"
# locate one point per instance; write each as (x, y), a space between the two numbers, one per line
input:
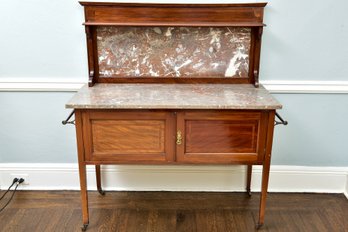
(173, 51)
(173, 96)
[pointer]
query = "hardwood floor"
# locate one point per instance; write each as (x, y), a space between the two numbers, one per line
(174, 211)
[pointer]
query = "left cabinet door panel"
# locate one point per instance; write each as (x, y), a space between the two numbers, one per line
(128, 136)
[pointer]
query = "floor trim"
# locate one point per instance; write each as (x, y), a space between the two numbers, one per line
(48, 176)
(74, 84)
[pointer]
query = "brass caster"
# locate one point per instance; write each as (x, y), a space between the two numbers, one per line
(84, 227)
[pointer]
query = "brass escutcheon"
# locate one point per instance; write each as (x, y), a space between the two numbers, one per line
(178, 137)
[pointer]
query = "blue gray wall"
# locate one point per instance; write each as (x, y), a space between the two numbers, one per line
(317, 130)
(303, 40)
(31, 130)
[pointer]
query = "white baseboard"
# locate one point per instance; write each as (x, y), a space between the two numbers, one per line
(73, 84)
(178, 178)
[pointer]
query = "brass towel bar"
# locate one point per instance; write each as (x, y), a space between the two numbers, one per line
(66, 121)
(282, 121)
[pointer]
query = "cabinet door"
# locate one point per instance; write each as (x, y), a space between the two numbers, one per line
(221, 136)
(128, 136)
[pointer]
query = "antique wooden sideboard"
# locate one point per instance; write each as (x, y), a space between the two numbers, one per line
(173, 84)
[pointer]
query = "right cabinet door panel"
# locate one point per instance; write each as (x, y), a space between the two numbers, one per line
(221, 136)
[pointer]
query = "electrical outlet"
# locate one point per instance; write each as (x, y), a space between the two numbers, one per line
(24, 176)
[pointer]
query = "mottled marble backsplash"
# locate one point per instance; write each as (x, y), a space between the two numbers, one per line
(173, 51)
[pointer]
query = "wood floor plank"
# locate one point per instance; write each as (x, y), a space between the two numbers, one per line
(5, 218)
(185, 221)
(13, 223)
(137, 220)
(210, 221)
(240, 220)
(74, 222)
(174, 212)
(162, 220)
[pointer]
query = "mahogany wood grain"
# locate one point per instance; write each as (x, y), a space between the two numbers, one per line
(129, 136)
(168, 80)
(221, 137)
(256, 44)
(196, 15)
(174, 24)
(251, 55)
(266, 168)
(98, 178)
(82, 166)
(178, 14)
(94, 47)
(148, 136)
(248, 182)
(173, 5)
(90, 31)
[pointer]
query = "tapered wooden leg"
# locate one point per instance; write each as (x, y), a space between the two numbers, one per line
(265, 169)
(248, 184)
(264, 187)
(82, 169)
(98, 176)
(84, 195)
